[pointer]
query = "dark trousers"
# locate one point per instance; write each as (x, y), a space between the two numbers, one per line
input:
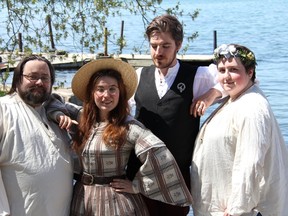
(157, 208)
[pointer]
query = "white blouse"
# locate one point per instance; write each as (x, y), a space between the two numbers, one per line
(240, 161)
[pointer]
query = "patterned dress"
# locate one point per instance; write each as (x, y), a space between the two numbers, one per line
(158, 178)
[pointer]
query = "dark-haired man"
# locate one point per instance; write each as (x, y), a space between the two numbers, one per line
(164, 97)
(35, 162)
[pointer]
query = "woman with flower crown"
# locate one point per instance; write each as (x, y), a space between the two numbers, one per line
(240, 161)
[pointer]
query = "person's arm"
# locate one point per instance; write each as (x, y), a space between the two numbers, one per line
(64, 121)
(4, 204)
(206, 89)
(158, 171)
(63, 113)
(253, 139)
(202, 103)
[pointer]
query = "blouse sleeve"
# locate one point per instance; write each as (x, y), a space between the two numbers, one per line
(4, 204)
(254, 124)
(159, 176)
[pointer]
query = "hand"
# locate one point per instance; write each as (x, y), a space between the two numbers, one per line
(198, 108)
(122, 185)
(226, 213)
(200, 104)
(65, 122)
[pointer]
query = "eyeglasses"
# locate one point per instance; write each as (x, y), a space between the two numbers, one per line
(35, 78)
(100, 91)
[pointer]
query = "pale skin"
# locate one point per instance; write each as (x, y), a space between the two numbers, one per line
(106, 98)
(231, 79)
(65, 122)
(233, 76)
(163, 50)
(103, 99)
(234, 79)
(36, 88)
(200, 104)
(40, 87)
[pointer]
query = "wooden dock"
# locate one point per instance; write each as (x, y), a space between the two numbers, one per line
(73, 61)
(76, 60)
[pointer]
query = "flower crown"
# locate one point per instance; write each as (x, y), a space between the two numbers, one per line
(228, 51)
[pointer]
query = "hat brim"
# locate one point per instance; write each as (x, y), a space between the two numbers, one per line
(82, 76)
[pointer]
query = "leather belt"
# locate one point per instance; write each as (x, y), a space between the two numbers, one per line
(89, 179)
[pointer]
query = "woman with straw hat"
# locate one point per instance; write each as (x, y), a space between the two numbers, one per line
(107, 134)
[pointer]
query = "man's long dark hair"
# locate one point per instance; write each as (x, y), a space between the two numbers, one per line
(18, 72)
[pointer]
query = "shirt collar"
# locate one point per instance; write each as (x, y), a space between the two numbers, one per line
(171, 71)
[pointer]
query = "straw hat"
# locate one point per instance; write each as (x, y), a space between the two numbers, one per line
(82, 77)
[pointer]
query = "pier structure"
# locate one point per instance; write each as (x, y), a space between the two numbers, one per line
(73, 61)
(76, 60)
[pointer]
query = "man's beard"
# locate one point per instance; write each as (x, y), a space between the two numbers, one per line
(34, 98)
(163, 63)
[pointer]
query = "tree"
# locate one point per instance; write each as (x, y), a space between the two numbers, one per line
(82, 20)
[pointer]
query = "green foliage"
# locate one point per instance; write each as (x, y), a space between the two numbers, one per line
(3, 78)
(2, 93)
(83, 20)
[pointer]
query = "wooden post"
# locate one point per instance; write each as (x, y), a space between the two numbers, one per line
(48, 19)
(105, 42)
(20, 42)
(121, 36)
(215, 40)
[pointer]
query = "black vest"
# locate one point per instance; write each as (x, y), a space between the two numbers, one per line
(168, 118)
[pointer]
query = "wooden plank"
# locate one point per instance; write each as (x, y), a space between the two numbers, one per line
(76, 60)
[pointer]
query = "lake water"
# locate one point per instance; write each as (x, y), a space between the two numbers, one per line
(260, 25)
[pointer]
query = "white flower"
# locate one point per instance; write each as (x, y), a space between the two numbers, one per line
(229, 51)
(223, 49)
(226, 51)
(232, 50)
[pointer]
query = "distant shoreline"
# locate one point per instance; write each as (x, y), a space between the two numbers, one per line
(66, 93)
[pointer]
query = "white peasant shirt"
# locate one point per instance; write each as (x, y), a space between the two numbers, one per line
(35, 162)
(240, 161)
